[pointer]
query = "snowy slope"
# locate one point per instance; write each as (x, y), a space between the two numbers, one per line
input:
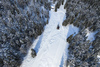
(51, 46)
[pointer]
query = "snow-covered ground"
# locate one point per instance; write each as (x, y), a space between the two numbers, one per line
(51, 46)
(90, 35)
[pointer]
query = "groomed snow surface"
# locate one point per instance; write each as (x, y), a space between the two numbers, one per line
(51, 46)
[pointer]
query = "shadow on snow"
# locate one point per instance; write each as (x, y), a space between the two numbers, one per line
(38, 44)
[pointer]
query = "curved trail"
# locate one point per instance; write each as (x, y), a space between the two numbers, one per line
(51, 46)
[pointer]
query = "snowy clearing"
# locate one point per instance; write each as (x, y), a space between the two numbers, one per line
(51, 46)
(90, 35)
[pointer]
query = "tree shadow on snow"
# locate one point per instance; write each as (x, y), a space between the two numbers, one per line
(62, 62)
(38, 44)
(72, 30)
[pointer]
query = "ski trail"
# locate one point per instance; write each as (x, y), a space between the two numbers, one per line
(53, 45)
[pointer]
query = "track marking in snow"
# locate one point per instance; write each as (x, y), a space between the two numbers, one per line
(51, 46)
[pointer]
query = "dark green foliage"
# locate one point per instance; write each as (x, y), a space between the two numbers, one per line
(20, 24)
(54, 1)
(65, 22)
(72, 20)
(66, 4)
(93, 28)
(97, 34)
(57, 6)
(58, 26)
(55, 9)
(69, 20)
(47, 5)
(1, 7)
(80, 53)
(62, 2)
(23, 3)
(47, 21)
(69, 38)
(1, 62)
(39, 29)
(76, 23)
(86, 15)
(96, 44)
(33, 53)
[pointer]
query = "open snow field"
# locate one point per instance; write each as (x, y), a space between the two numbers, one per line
(51, 46)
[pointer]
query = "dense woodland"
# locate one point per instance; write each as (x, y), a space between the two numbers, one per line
(21, 21)
(84, 14)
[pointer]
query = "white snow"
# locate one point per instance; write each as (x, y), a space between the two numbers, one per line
(72, 30)
(52, 6)
(51, 46)
(90, 35)
(98, 56)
